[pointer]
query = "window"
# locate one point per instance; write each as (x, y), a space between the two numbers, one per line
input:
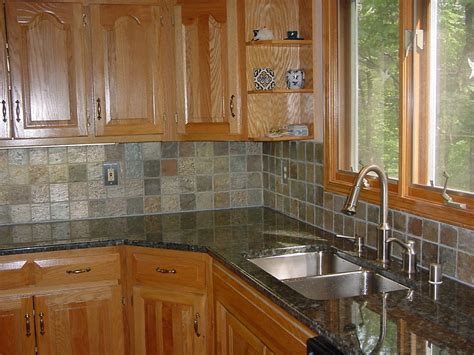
(399, 81)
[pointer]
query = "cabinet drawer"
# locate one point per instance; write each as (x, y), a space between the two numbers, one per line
(77, 269)
(14, 273)
(169, 268)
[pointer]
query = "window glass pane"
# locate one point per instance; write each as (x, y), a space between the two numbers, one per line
(452, 93)
(372, 135)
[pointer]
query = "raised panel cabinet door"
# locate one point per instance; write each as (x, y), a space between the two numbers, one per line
(169, 322)
(5, 129)
(234, 338)
(208, 69)
(126, 47)
(86, 321)
(17, 330)
(46, 45)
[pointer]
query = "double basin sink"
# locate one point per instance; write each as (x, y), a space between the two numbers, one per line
(323, 275)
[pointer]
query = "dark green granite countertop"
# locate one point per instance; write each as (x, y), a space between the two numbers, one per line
(415, 320)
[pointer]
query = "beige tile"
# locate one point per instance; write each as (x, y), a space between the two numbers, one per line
(20, 213)
(186, 166)
(204, 200)
(57, 155)
(95, 153)
(40, 212)
(38, 174)
(18, 174)
(39, 156)
(134, 188)
(59, 192)
(97, 190)
(58, 173)
(40, 193)
(77, 155)
(152, 204)
(78, 191)
(151, 150)
(60, 211)
(79, 209)
(169, 203)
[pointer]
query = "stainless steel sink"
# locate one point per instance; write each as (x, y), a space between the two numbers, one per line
(324, 275)
(348, 284)
(290, 266)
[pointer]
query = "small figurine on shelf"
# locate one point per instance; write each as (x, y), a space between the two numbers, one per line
(262, 34)
(264, 78)
(295, 79)
(277, 132)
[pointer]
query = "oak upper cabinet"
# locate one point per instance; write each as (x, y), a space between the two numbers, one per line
(5, 129)
(87, 321)
(128, 90)
(169, 322)
(17, 326)
(48, 69)
(209, 54)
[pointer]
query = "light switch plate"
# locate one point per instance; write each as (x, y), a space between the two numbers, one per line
(110, 173)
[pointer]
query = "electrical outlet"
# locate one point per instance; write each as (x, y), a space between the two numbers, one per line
(111, 172)
(284, 172)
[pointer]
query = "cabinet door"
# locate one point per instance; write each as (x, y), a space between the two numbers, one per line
(17, 335)
(5, 132)
(233, 337)
(126, 46)
(87, 321)
(169, 322)
(208, 67)
(46, 44)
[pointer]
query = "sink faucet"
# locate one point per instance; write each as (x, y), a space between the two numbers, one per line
(383, 250)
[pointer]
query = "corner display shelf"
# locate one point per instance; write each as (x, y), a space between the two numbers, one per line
(281, 43)
(279, 107)
(280, 91)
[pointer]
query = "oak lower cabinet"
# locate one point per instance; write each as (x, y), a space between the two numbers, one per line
(17, 326)
(169, 322)
(86, 321)
(171, 308)
(65, 302)
(248, 323)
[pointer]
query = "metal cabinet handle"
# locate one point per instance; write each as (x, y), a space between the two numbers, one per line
(99, 109)
(231, 105)
(28, 325)
(17, 110)
(41, 315)
(165, 271)
(79, 271)
(4, 110)
(196, 324)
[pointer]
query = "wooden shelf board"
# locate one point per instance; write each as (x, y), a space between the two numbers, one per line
(281, 139)
(280, 42)
(280, 91)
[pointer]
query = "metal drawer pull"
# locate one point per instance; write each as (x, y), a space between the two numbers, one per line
(42, 332)
(28, 325)
(79, 271)
(4, 110)
(17, 110)
(165, 271)
(231, 105)
(196, 325)
(99, 110)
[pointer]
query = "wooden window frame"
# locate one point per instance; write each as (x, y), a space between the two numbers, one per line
(404, 195)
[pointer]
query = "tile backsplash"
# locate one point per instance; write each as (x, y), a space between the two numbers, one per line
(304, 198)
(66, 183)
(63, 183)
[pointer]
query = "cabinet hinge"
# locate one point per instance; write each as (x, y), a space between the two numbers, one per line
(131, 300)
(172, 21)
(176, 117)
(124, 301)
(36, 350)
(84, 20)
